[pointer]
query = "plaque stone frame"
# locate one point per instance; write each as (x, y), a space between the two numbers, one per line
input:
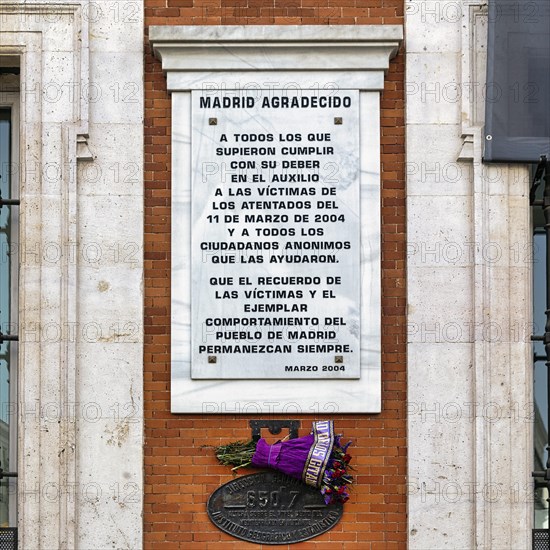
(279, 57)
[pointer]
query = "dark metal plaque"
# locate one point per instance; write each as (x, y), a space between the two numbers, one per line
(271, 508)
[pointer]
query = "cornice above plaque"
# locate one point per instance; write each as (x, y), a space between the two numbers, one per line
(343, 49)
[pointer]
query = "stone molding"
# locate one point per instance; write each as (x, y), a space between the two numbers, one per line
(502, 298)
(46, 372)
(296, 48)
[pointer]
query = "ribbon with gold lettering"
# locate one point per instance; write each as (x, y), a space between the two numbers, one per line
(319, 454)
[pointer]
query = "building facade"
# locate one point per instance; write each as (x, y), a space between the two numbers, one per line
(111, 438)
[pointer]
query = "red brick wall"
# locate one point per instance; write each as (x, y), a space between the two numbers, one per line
(180, 469)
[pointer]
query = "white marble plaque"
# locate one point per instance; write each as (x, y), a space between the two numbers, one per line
(224, 58)
(275, 241)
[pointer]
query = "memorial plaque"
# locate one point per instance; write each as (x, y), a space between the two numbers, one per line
(275, 234)
(271, 508)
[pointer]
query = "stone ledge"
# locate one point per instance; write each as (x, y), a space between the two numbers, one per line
(276, 33)
(273, 47)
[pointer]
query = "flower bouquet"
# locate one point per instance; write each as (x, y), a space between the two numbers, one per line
(318, 459)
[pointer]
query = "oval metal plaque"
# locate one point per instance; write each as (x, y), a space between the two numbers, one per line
(271, 508)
